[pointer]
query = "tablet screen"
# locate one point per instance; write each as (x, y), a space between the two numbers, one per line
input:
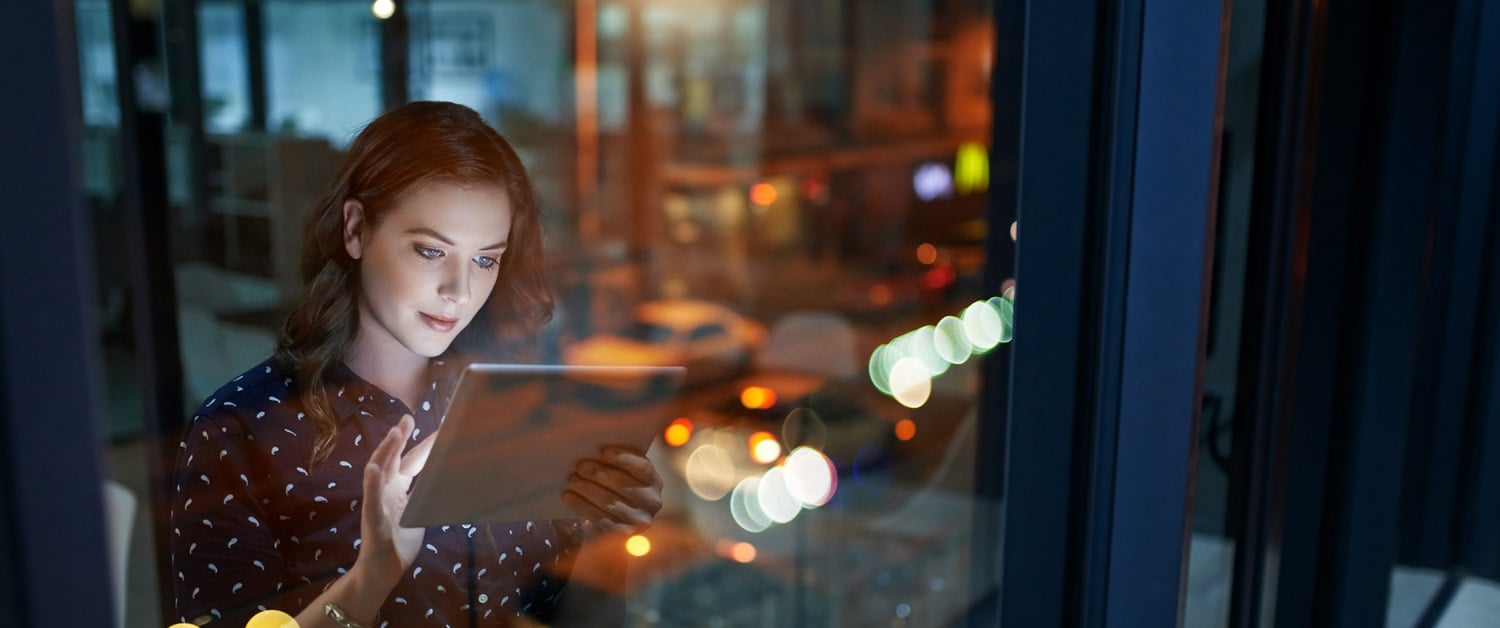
(513, 434)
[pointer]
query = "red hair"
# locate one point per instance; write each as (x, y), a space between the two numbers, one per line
(418, 143)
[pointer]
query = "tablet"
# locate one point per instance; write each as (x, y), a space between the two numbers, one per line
(514, 433)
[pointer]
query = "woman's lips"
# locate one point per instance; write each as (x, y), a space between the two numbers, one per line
(438, 323)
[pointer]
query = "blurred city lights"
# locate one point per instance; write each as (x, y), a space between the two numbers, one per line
(744, 506)
(910, 383)
(982, 325)
(926, 253)
(803, 427)
(710, 472)
(763, 194)
(932, 181)
(263, 619)
(775, 498)
(971, 169)
(810, 477)
(757, 397)
(1012, 231)
(742, 552)
(678, 432)
(383, 9)
(764, 447)
(928, 351)
(638, 545)
(949, 340)
(906, 429)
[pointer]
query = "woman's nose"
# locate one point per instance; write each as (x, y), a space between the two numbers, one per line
(455, 286)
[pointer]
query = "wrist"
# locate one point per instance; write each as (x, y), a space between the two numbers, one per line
(375, 573)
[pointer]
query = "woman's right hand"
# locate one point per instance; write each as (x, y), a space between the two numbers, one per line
(385, 546)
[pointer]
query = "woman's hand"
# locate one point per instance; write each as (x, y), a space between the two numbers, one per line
(618, 492)
(384, 545)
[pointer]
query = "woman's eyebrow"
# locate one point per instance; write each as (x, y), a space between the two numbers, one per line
(444, 239)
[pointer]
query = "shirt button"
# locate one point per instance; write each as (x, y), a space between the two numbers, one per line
(483, 598)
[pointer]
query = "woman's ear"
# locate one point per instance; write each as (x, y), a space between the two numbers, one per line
(354, 228)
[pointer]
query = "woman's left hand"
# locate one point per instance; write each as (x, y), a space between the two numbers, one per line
(618, 492)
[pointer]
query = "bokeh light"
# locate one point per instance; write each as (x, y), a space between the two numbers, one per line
(742, 552)
(775, 498)
(810, 477)
(263, 619)
(757, 397)
(763, 194)
(710, 472)
(744, 506)
(638, 545)
(1007, 312)
(950, 340)
(906, 429)
(764, 448)
(383, 9)
(926, 253)
(804, 428)
(678, 432)
(910, 384)
(982, 325)
(880, 370)
(920, 345)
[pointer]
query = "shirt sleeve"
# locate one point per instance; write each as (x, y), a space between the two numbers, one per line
(226, 561)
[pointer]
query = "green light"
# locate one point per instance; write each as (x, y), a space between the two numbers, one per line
(950, 342)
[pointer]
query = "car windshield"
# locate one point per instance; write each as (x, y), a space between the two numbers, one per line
(647, 332)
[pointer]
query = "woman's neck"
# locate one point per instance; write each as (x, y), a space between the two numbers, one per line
(402, 374)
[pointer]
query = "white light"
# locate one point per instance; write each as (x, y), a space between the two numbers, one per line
(810, 477)
(910, 383)
(921, 347)
(950, 342)
(982, 325)
(383, 9)
(744, 506)
(932, 181)
(710, 472)
(880, 370)
(1007, 313)
(775, 500)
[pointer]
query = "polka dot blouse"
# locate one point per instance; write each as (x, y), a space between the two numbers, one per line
(256, 525)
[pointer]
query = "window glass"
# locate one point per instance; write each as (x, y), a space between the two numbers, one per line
(797, 188)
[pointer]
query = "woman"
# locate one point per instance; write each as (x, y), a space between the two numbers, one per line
(425, 255)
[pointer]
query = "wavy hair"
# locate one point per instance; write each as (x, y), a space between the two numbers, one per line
(415, 144)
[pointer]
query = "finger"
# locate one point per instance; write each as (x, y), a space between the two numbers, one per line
(384, 456)
(373, 483)
(633, 463)
(625, 485)
(599, 520)
(415, 459)
(636, 511)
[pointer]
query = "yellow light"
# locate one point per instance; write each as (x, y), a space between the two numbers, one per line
(1013, 231)
(266, 619)
(971, 169)
(926, 253)
(757, 397)
(679, 432)
(763, 194)
(742, 552)
(638, 545)
(764, 448)
(383, 9)
(906, 429)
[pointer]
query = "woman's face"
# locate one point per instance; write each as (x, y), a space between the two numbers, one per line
(427, 268)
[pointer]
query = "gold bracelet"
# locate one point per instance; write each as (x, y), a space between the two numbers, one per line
(337, 615)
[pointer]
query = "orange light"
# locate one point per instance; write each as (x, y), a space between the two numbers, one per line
(757, 397)
(926, 253)
(638, 545)
(880, 295)
(764, 448)
(906, 429)
(679, 432)
(763, 194)
(742, 552)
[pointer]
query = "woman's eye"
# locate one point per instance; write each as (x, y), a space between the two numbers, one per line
(428, 252)
(486, 262)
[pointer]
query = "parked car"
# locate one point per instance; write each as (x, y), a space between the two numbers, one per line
(713, 341)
